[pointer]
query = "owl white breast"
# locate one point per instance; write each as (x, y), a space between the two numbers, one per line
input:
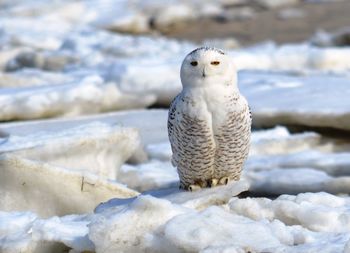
(209, 122)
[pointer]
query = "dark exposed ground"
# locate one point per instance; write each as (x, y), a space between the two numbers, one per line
(268, 26)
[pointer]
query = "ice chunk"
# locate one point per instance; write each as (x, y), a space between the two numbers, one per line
(316, 211)
(148, 176)
(207, 197)
(38, 33)
(32, 77)
(25, 232)
(90, 95)
(275, 3)
(151, 124)
(334, 164)
(195, 200)
(279, 140)
(215, 228)
(338, 38)
(159, 77)
(160, 151)
(50, 190)
(293, 181)
(96, 147)
(130, 228)
(310, 100)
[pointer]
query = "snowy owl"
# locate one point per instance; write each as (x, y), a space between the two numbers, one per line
(209, 122)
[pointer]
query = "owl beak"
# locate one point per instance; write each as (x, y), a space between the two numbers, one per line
(203, 73)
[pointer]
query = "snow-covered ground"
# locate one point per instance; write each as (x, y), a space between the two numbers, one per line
(97, 176)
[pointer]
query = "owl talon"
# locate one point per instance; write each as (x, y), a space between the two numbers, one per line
(212, 182)
(203, 184)
(182, 186)
(223, 180)
(193, 187)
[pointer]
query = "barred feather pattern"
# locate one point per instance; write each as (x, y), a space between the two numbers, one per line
(202, 153)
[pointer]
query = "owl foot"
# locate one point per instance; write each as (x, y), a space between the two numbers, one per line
(194, 187)
(212, 182)
(223, 180)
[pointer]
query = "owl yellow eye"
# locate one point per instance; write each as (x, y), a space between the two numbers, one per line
(194, 63)
(215, 63)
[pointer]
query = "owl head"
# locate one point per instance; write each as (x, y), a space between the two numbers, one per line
(207, 66)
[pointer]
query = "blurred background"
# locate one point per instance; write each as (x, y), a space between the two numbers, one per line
(130, 51)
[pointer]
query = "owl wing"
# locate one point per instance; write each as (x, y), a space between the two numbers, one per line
(192, 143)
(171, 130)
(233, 144)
